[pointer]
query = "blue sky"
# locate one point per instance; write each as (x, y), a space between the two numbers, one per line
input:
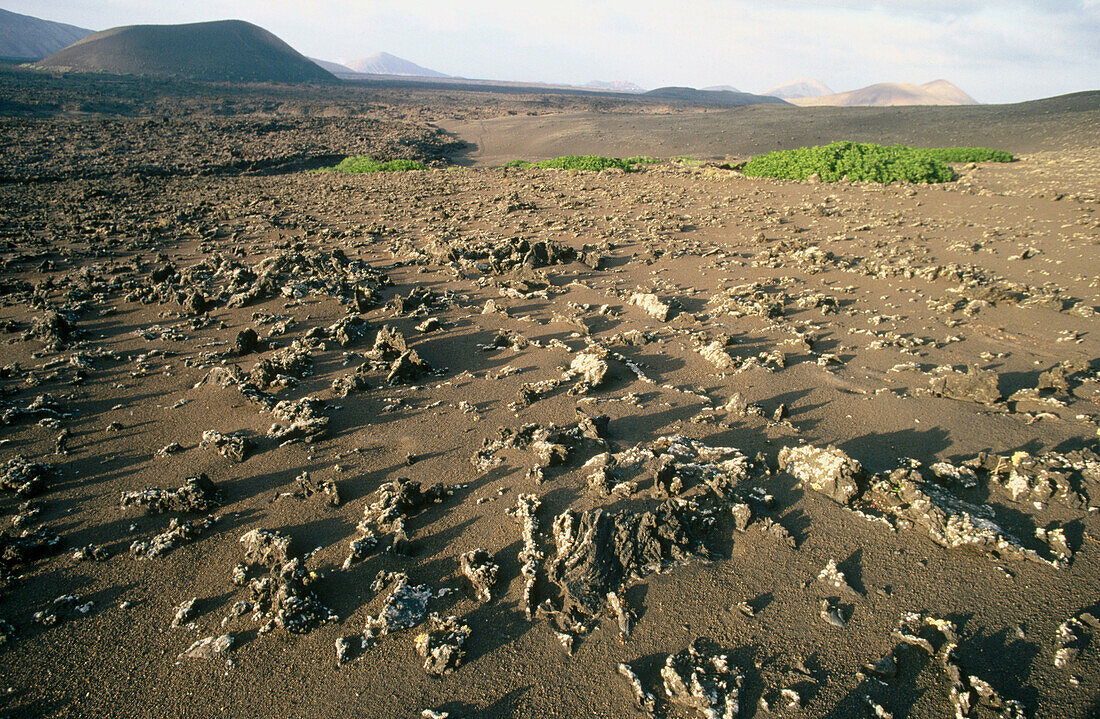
(996, 50)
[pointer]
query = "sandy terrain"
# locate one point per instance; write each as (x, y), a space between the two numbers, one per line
(1066, 123)
(677, 347)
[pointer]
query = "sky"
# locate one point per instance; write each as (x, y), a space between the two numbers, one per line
(995, 50)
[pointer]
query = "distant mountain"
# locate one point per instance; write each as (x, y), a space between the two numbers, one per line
(948, 92)
(614, 86)
(334, 67)
(721, 88)
(27, 38)
(383, 63)
(888, 94)
(222, 51)
(802, 87)
(711, 97)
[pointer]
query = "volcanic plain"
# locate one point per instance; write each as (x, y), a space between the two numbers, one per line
(825, 449)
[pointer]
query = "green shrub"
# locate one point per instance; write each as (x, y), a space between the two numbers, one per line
(587, 163)
(359, 163)
(867, 162)
(591, 163)
(856, 161)
(969, 154)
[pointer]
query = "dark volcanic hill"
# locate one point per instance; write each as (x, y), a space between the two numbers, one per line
(27, 38)
(711, 97)
(222, 51)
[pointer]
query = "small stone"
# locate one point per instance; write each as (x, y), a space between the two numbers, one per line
(184, 613)
(832, 614)
(209, 647)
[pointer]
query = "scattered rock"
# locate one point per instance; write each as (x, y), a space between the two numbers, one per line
(234, 446)
(24, 477)
(406, 606)
(303, 421)
(306, 487)
(279, 584)
(209, 647)
(703, 679)
(27, 547)
(529, 555)
(53, 329)
(742, 516)
(197, 494)
(247, 342)
(184, 613)
(652, 305)
(352, 383)
(829, 471)
(407, 368)
(294, 361)
(949, 521)
(967, 692)
(833, 614)
(386, 516)
(975, 385)
(644, 700)
(429, 325)
(389, 344)
(591, 367)
(478, 567)
(177, 533)
(833, 578)
(442, 645)
(598, 551)
(348, 331)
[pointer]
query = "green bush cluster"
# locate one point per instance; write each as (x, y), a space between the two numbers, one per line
(867, 162)
(360, 163)
(969, 154)
(856, 161)
(590, 163)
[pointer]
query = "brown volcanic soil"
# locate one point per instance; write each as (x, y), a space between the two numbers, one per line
(868, 293)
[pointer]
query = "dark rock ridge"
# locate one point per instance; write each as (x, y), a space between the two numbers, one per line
(711, 97)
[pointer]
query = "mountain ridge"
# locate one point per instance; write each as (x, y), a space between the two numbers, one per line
(27, 38)
(893, 94)
(383, 63)
(798, 88)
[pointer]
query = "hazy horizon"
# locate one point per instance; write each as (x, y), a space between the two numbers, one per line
(995, 51)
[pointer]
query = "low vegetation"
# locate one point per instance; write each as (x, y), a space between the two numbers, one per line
(360, 163)
(867, 162)
(969, 154)
(589, 163)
